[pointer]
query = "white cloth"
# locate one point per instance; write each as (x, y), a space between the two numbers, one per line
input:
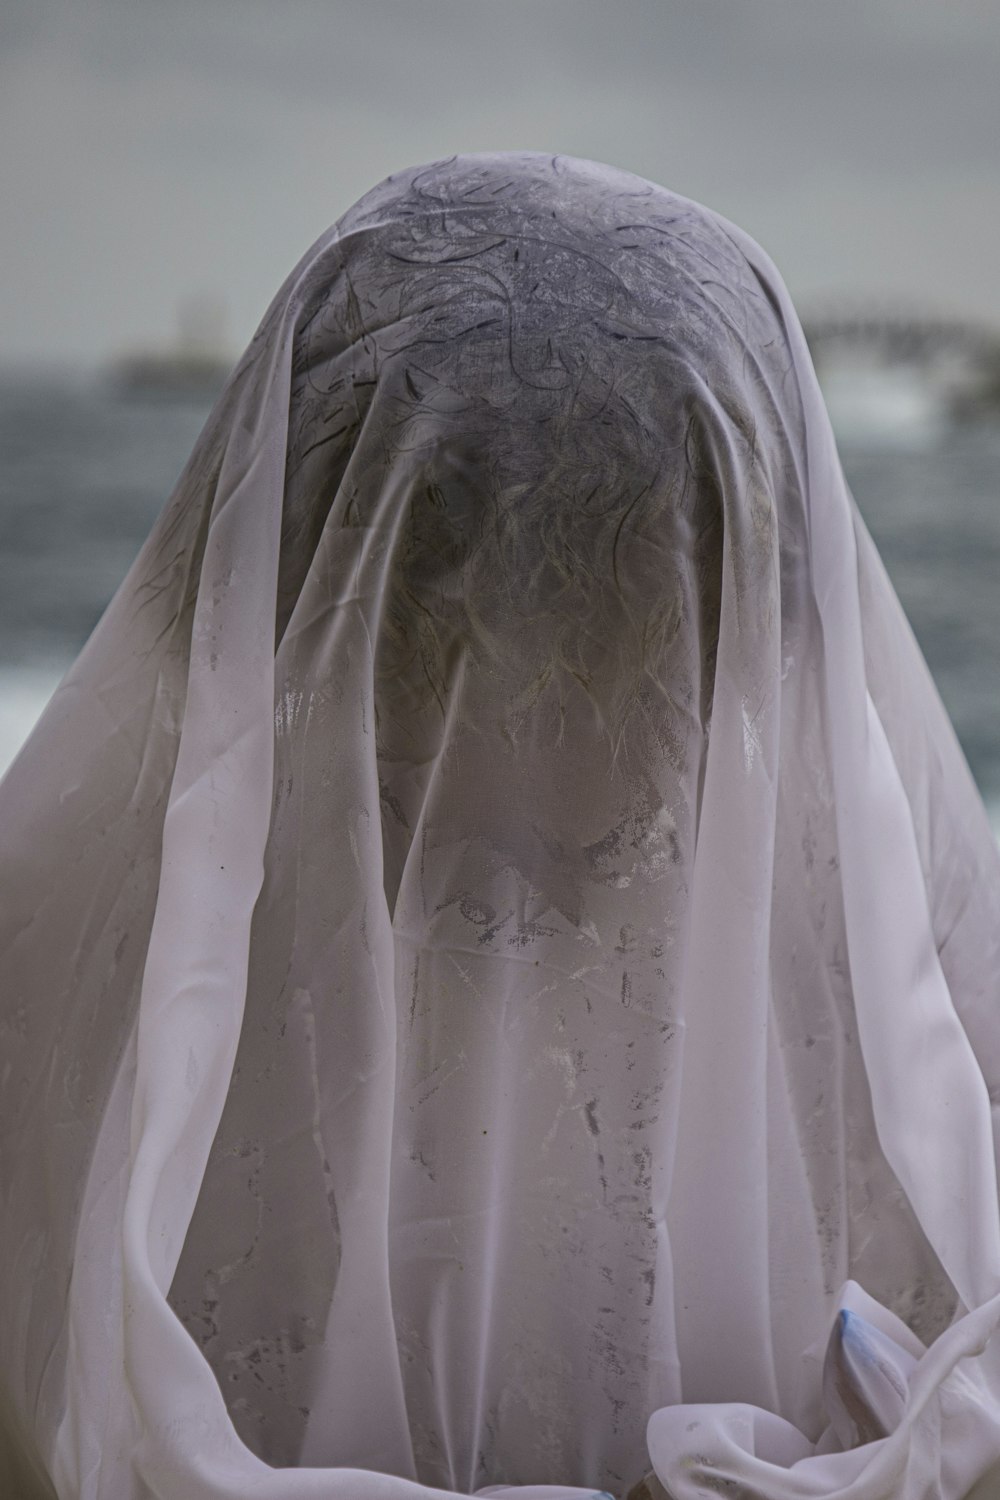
(501, 948)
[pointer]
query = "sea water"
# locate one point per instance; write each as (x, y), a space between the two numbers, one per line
(85, 469)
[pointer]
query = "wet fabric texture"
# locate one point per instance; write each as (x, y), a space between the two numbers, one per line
(500, 943)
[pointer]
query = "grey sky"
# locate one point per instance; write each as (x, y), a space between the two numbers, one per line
(158, 149)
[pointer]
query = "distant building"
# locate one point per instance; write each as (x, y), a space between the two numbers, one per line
(195, 368)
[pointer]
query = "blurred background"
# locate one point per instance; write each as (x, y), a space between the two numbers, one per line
(165, 163)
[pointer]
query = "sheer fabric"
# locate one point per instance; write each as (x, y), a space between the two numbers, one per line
(500, 941)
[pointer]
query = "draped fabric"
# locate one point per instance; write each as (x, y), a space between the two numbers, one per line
(501, 948)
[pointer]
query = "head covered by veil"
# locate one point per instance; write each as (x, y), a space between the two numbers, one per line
(501, 971)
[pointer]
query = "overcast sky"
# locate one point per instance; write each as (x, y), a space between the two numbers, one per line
(156, 150)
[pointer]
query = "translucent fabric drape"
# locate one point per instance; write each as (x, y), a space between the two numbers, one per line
(500, 944)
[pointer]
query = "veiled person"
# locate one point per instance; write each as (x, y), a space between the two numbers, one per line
(500, 944)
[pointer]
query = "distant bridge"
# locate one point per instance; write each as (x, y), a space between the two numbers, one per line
(957, 361)
(903, 339)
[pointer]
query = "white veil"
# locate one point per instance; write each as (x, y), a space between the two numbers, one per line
(500, 943)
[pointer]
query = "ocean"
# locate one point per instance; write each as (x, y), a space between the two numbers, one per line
(85, 469)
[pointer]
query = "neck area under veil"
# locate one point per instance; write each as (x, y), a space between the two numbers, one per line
(501, 945)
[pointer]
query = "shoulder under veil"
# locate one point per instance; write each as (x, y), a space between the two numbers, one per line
(500, 943)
